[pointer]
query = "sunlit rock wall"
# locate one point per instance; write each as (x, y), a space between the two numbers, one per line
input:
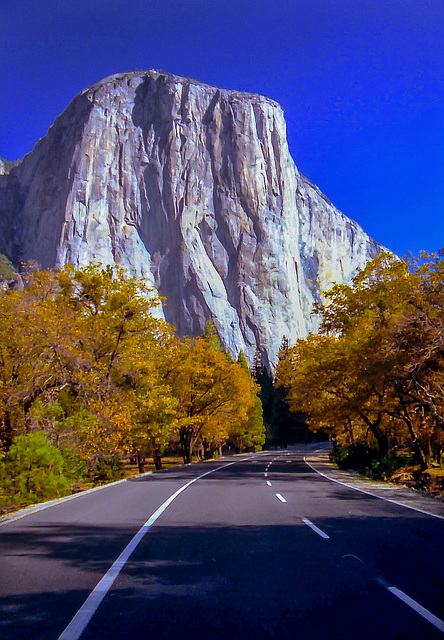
(193, 188)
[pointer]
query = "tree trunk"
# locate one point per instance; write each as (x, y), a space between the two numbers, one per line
(419, 451)
(185, 446)
(350, 430)
(27, 404)
(6, 432)
(157, 460)
(207, 450)
(28, 480)
(380, 437)
(141, 462)
(429, 448)
(382, 440)
(417, 447)
(420, 455)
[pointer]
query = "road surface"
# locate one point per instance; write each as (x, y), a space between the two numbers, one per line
(256, 546)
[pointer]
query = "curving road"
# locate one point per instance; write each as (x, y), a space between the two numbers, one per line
(257, 546)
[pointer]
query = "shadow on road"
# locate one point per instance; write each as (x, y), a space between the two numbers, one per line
(240, 582)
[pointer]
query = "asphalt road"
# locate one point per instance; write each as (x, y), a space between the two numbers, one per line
(259, 547)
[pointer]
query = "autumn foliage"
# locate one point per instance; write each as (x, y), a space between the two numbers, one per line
(86, 360)
(374, 375)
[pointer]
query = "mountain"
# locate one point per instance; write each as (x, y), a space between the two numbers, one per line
(193, 188)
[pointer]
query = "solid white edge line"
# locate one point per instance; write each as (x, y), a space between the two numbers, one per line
(281, 498)
(375, 495)
(81, 619)
(34, 508)
(425, 613)
(6, 519)
(315, 528)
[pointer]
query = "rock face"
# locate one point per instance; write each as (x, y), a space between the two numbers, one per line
(193, 188)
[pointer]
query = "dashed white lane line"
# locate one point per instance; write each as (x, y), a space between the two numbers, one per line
(315, 528)
(425, 613)
(375, 495)
(422, 611)
(265, 474)
(80, 621)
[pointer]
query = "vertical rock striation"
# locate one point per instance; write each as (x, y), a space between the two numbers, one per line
(193, 188)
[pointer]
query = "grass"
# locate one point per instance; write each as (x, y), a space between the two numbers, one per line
(168, 462)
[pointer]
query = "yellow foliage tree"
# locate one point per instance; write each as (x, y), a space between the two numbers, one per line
(377, 365)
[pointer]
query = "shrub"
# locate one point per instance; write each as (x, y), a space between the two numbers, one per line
(74, 467)
(387, 465)
(107, 469)
(32, 470)
(359, 457)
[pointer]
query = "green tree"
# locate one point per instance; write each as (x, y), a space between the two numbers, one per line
(248, 433)
(33, 470)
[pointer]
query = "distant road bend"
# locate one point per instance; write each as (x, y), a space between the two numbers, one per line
(254, 546)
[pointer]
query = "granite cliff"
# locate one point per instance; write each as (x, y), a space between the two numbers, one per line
(193, 188)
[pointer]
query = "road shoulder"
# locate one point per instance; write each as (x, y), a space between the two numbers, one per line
(410, 498)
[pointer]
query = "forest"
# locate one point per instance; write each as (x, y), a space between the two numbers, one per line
(91, 380)
(90, 376)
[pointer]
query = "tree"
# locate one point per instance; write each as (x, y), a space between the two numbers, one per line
(265, 382)
(286, 426)
(152, 408)
(376, 366)
(33, 469)
(248, 433)
(62, 343)
(83, 359)
(211, 335)
(211, 392)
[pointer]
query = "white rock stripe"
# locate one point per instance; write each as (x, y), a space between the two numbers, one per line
(375, 495)
(78, 624)
(315, 528)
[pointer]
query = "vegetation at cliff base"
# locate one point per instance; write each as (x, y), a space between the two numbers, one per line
(7, 271)
(89, 377)
(373, 377)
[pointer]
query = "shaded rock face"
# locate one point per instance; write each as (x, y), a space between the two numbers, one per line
(193, 188)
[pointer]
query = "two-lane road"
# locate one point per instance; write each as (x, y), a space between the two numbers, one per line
(257, 546)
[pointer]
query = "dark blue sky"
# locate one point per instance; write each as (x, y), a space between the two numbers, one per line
(361, 83)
